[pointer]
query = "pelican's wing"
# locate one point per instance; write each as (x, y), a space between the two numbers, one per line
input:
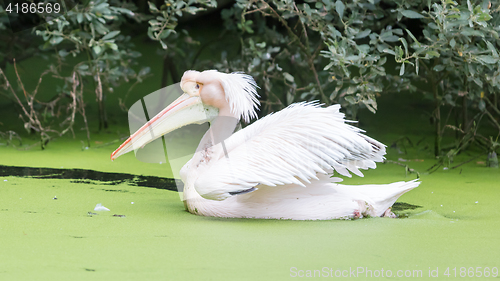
(290, 146)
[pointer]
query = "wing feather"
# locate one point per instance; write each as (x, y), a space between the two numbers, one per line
(290, 146)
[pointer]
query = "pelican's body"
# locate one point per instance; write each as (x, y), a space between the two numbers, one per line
(280, 166)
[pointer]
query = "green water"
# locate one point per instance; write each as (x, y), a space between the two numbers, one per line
(44, 238)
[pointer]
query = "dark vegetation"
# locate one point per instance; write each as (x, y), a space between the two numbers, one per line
(443, 54)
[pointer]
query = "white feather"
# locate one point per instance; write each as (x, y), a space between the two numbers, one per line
(281, 147)
(100, 207)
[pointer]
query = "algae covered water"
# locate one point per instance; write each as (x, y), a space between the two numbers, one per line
(451, 221)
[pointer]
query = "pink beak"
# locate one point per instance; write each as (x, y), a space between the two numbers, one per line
(172, 117)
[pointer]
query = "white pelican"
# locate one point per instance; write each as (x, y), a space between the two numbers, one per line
(280, 166)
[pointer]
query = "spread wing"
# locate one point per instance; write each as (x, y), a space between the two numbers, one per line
(289, 147)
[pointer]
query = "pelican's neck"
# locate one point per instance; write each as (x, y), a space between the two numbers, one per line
(207, 153)
(221, 128)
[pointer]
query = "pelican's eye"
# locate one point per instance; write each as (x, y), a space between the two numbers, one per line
(197, 86)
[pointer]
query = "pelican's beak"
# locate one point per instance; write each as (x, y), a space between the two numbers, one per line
(187, 109)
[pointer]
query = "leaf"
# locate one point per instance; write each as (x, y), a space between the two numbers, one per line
(438, 68)
(390, 38)
(471, 69)
(144, 71)
(97, 49)
(56, 40)
(163, 45)
(492, 49)
(111, 34)
(433, 25)
(371, 105)
(402, 70)
(288, 77)
(413, 37)
(452, 43)
(405, 44)
(398, 31)
(113, 46)
(79, 17)
(399, 53)
(432, 53)
(389, 51)
(481, 105)
(412, 14)
(152, 7)
(63, 53)
(350, 99)
(363, 34)
(478, 81)
(488, 59)
(329, 65)
(289, 98)
(340, 7)
(472, 32)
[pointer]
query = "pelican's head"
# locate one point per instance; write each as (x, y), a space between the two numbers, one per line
(231, 94)
(206, 95)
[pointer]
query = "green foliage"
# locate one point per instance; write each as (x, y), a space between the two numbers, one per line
(457, 54)
(94, 31)
(330, 51)
(166, 17)
(11, 44)
(358, 49)
(91, 34)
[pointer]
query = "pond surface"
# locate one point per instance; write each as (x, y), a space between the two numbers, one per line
(50, 231)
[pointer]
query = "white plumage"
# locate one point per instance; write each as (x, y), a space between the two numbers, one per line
(278, 167)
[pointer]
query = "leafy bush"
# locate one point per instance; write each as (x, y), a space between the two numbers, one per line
(457, 55)
(90, 33)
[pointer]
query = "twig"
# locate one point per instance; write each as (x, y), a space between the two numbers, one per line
(492, 118)
(407, 168)
(465, 162)
(438, 164)
(82, 110)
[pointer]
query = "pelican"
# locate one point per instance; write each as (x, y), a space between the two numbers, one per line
(279, 167)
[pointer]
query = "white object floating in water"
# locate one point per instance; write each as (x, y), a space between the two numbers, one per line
(4, 180)
(100, 207)
(477, 202)
(131, 202)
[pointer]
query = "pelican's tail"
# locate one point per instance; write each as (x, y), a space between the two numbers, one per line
(375, 199)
